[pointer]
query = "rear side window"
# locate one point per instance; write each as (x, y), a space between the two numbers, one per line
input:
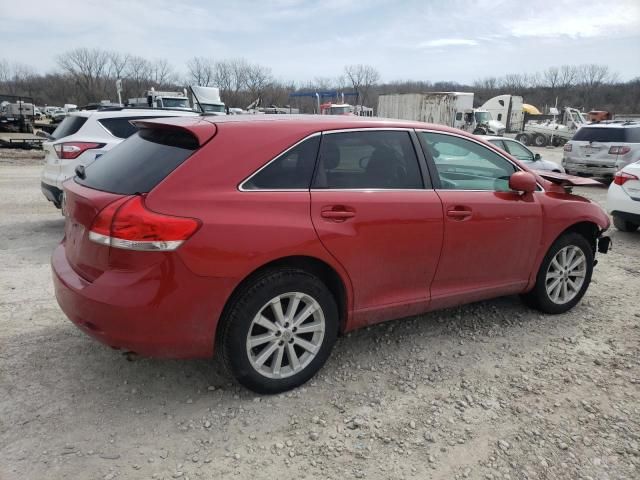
(633, 135)
(290, 171)
(68, 126)
(606, 135)
(374, 159)
(121, 127)
(139, 163)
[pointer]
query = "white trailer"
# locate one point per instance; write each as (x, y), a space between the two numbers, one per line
(508, 110)
(453, 109)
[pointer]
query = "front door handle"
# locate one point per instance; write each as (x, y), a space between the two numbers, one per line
(459, 213)
(338, 215)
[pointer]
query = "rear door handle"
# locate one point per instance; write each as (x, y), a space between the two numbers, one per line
(459, 213)
(337, 215)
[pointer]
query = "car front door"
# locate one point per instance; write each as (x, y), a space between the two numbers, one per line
(374, 213)
(491, 234)
(520, 152)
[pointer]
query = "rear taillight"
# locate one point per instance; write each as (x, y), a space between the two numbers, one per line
(128, 224)
(621, 178)
(619, 150)
(71, 150)
(567, 147)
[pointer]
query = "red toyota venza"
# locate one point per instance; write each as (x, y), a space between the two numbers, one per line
(264, 237)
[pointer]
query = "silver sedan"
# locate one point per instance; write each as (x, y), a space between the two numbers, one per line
(516, 149)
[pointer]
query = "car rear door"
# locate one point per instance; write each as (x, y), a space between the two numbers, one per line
(491, 234)
(375, 214)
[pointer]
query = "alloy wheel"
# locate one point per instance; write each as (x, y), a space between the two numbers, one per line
(566, 274)
(285, 335)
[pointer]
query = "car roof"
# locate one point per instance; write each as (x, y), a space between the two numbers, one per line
(613, 124)
(137, 112)
(304, 122)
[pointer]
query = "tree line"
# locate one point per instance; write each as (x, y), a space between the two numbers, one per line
(85, 75)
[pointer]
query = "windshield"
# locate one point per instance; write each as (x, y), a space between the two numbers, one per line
(175, 103)
(482, 117)
(212, 108)
(338, 110)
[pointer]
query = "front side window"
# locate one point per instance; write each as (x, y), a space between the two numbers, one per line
(465, 165)
(377, 159)
(519, 151)
(290, 171)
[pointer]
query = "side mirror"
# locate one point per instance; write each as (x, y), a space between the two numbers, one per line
(522, 182)
(537, 156)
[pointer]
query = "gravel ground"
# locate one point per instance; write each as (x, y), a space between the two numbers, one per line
(490, 390)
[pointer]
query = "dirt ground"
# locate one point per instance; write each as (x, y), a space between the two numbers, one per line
(490, 390)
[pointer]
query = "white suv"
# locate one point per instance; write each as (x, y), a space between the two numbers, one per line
(84, 136)
(601, 149)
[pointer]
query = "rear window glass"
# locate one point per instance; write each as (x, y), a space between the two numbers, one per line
(139, 163)
(68, 126)
(607, 135)
(121, 127)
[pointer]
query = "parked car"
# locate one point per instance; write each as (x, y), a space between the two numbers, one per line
(600, 150)
(623, 198)
(263, 237)
(532, 160)
(83, 136)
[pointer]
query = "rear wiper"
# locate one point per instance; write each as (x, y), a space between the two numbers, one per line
(80, 172)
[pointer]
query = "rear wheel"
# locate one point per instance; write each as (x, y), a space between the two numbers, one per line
(564, 275)
(279, 331)
(540, 140)
(524, 138)
(624, 225)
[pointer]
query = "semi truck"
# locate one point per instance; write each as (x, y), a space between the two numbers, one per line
(207, 100)
(453, 109)
(508, 110)
(158, 99)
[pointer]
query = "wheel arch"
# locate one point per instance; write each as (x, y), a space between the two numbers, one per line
(321, 269)
(589, 230)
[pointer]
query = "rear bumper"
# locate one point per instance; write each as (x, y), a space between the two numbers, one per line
(627, 216)
(163, 311)
(51, 193)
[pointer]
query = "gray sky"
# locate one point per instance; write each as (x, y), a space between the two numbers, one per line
(457, 40)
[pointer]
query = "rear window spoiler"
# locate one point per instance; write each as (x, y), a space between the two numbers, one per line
(565, 180)
(202, 131)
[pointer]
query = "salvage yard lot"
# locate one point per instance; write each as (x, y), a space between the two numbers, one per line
(488, 390)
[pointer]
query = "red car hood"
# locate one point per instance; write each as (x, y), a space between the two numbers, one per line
(565, 180)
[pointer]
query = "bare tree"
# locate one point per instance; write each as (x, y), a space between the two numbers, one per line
(88, 68)
(117, 64)
(201, 71)
(568, 76)
(257, 79)
(162, 72)
(362, 78)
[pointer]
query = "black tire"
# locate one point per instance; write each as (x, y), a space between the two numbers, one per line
(524, 138)
(624, 225)
(539, 140)
(538, 298)
(558, 142)
(238, 317)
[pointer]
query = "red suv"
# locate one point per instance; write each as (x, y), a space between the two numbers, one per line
(265, 237)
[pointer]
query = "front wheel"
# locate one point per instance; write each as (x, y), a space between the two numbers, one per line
(279, 331)
(564, 275)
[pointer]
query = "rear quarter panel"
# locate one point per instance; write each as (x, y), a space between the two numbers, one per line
(241, 231)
